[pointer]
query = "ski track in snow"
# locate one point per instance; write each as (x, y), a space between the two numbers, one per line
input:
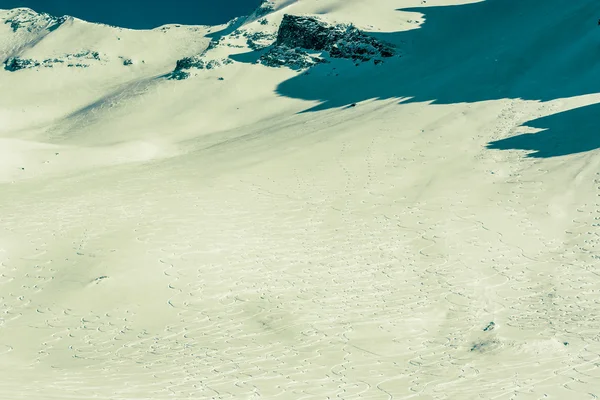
(325, 279)
(358, 253)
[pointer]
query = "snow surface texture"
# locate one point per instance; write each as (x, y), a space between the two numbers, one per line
(423, 228)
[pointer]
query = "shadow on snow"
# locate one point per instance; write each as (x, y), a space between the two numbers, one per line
(569, 132)
(489, 50)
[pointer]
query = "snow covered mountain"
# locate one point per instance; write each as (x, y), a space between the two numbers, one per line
(324, 199)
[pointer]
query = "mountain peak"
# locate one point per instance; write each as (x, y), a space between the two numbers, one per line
(26, 19)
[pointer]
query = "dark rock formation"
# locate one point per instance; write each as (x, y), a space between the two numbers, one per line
(259, 40)
(178, 75)
(78, 65)
(306, 32)
(298, 35)
(86, 54)
(14, 64)
(489, 327)
(214, 43)
(341, 41)
(187, 63)
(282, 56)
(291, 47)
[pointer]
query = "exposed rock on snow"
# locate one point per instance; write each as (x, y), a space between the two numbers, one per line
(299, 33)
(178, 75)
(14, 64)
(215, 43)
(256, 40)
(342, 41)
(306, 32)
(197, 62)
(259, 40)
(265, 8)
(298, 44)
(31, 21)
(490, 327)
(296, 58)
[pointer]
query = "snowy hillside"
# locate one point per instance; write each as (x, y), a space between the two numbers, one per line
(391, 199)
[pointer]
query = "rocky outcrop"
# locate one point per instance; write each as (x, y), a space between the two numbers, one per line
(187, 63)
(341, 41)
(178, 75)
(307, 33)
(298, 35)
(14, 64)
(300, 43)
(259, 40)
(282, 56)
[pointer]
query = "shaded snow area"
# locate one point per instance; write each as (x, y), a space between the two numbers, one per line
(325, 199)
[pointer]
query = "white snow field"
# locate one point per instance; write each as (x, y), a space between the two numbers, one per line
(256, 236)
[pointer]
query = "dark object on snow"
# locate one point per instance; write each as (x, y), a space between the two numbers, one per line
(297, 35)
(187, 63)
(485, 346)
(341, 41)
(489, 327)
(353, 105)
(259, 40)
(127, 62)
(305, 32)
(198, 63)
(15, 63)
(179, 75)
(294, 58)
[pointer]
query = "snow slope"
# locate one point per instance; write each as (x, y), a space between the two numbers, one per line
(423, 228)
